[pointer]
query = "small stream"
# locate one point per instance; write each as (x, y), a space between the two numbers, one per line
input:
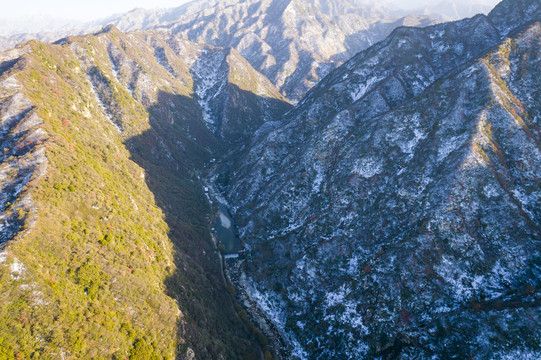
(225, 233)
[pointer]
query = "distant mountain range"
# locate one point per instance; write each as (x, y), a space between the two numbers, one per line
(278, 38)
(448, 10)
(37, 24)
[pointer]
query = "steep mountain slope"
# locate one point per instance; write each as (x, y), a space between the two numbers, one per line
(106, 246)
(395, 211)
(22, 160)
(236, 105)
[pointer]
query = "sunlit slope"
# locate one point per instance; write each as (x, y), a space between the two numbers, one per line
(107, 253)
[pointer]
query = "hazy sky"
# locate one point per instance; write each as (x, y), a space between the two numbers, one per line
(84, 10)
(421, 3)
(77, 9)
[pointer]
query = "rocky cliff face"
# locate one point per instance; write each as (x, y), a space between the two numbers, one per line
(23, 159)
(394, 212)
(106, 247)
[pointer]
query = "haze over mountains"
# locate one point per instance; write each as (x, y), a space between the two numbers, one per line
(382, 181)
(447, 10)
(295, 55)
(34, 24)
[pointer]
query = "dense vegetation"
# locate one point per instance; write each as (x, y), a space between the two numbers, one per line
(119, 262)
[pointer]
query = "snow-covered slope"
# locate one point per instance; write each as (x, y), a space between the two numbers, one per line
(394, 212)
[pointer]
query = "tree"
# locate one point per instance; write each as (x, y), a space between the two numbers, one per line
(142, 350)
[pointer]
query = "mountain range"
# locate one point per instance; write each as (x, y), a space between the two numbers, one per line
(380, 172)
(448, 10)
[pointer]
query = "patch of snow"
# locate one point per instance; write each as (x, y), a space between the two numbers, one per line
(363, 88)
(501, 276)
(114, 69)
(307, 269)
(318, 179)
(271, 307)
(442, 48)
(437, 34)
(273, 310)
(298, 350)
(442, 309)
(353, 266)
(207, 70)
(454, 276)
(334, 298)
(524, 200)
(523, 354)
(368, 166)
(134, 204)
(16, 268)
(11, 84)
(449, 146)
(226, 222)
(100, 103)
(490, 191)
(409, 147)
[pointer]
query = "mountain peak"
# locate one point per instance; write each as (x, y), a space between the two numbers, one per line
(110, 28)
(508, 13)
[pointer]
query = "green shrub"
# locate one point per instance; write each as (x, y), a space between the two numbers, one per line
(91, 278)
(142, 350)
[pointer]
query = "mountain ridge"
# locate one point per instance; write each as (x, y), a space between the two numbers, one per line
(114, 256)
(350, 25)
